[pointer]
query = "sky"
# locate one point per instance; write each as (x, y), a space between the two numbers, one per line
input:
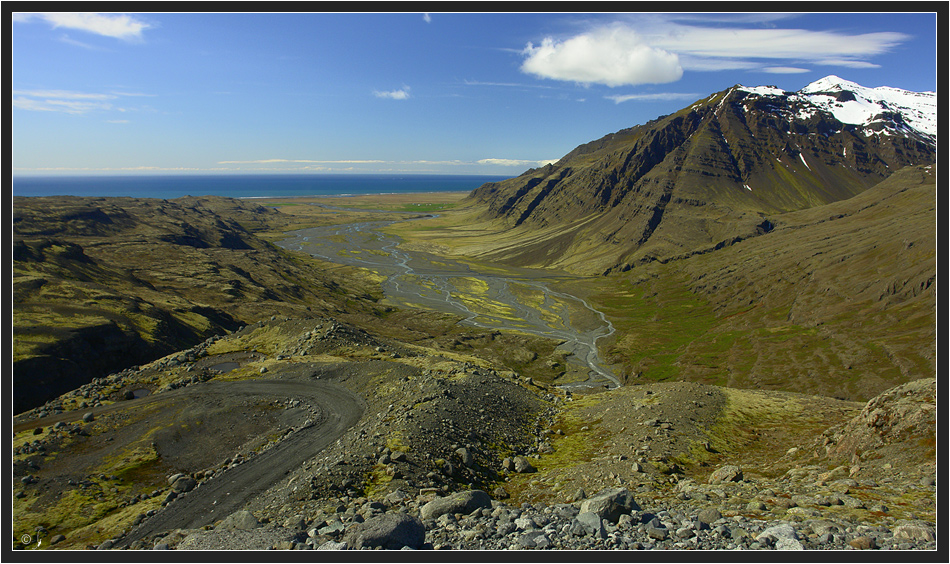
(446, 93)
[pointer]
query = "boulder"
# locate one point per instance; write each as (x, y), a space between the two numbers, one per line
(239, 520)
(592, 524)
(709, 515)
(610, 504)
(465, 456)
(727, 473)
(522, 466)
(461, 502)
(389, 531)
(184, 484)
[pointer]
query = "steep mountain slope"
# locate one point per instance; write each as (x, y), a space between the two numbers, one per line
(706, 175)
(837, 300)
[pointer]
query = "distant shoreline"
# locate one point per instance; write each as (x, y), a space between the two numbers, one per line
(248, 187)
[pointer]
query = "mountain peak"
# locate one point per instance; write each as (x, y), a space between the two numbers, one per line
(831, 83)
(881, 110)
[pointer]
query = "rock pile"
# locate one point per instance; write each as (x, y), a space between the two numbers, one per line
(612, 519)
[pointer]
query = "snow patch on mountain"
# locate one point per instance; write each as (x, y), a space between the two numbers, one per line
(880, 110)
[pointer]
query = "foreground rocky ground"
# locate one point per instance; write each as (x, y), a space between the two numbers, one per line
(449, 453)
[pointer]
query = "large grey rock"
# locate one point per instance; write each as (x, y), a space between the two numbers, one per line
(728, 473)
(239, 520)
(782, 531)
(461, 502)
(592, 524)
(914, 531)
(390, 531)
(465, 456)
(610, 504)
(184, 484)
(709, 515)
(522, 466)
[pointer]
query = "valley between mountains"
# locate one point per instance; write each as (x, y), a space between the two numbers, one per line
(713, 331)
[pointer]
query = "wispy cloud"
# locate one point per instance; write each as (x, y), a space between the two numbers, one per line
(426, 18)
(401, 94)
(119, 26)
(489, 161)
(784, 70)
(655, 49)
(515, 162)
(658, 96)
(68, 101)
(300, 161)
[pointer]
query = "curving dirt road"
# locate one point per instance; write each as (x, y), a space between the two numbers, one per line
(228, 492)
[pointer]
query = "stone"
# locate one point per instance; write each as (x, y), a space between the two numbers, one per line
(611, 504)
(522, 466)
(239, 520)
(709, 515)
(658, 533)
(862, 543)
(782, 531)
(788, 544)
(57, 539)
(727, 473)
(461, 502)
(592, 524)
(88, 418)
(914, 532)
(389, 531)
(332, 545)
(184, 484)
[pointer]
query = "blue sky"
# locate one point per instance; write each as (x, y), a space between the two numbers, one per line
(450, 93)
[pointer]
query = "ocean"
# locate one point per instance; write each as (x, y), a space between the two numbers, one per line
(244, 185)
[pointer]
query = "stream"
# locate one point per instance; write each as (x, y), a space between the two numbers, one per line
(514, 299)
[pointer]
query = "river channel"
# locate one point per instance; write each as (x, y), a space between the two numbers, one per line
(513, 299)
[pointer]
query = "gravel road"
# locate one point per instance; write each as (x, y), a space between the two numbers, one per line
(229, 491)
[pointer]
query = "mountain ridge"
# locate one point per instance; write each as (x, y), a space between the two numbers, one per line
(703, 175)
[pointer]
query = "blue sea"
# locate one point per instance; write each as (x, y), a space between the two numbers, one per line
(244, 186)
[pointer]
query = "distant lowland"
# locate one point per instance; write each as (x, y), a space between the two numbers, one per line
(715, 331)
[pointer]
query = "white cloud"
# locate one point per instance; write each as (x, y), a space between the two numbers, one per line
(656, 96)
(784, 70)
(613, 56)
(67, 101)
(299, 161)
(427, 18)
(848, 63)
(120, 26)
(514, 162)
(401, 94)
(654, 49)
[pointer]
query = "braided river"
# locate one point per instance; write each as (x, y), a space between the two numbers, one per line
(487, 296)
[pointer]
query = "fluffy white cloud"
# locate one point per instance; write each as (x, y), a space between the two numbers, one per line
(120, 26)
(656, 50)
(401, 94)
(613, 56)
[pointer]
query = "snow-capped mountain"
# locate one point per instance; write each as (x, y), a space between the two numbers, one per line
(712, 172)
(881, 110)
